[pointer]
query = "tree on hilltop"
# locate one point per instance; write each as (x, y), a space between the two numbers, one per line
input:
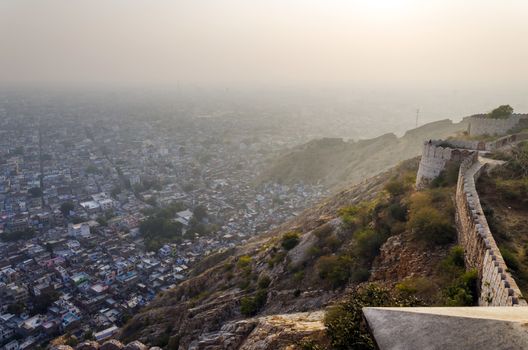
(501, 112)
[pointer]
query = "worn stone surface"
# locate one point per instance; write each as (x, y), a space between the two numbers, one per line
(112, 345)
(88, 345)
(136, 345)
(270, 332)
(401, 256)
(61, 347)
(468, 328)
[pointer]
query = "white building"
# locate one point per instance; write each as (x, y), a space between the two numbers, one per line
(91, 206)
(76, 230)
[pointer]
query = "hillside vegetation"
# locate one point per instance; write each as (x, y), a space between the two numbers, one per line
(379, 235)
(335, 162)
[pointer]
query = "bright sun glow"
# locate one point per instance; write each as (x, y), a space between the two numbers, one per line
(387, 7)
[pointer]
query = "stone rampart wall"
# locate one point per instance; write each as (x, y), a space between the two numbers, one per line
(506, 140)
(482, 125)
(497, 287)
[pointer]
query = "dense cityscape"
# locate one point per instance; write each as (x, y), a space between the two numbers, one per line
(99, 214)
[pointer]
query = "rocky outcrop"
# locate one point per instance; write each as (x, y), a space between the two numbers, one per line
(88, 345)
(61, 347)
(272, 332)
(402, 257)
(136, 345)
(112, 345)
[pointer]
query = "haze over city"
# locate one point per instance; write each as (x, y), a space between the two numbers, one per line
(263, 174)
(310, 43)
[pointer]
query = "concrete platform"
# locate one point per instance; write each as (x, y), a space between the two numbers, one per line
(446, 328)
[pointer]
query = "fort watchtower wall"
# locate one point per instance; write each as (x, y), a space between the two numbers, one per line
(436, 154)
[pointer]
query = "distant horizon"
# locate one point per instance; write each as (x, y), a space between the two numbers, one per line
(274, 43)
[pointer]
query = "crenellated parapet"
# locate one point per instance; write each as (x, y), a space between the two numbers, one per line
(497, 287)
(436, 154)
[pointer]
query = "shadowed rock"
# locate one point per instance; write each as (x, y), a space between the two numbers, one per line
(136, 345)
(88, 345)
(112, 345)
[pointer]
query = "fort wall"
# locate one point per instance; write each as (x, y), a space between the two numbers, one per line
(482, 125)
(436, 154)
(497, 287)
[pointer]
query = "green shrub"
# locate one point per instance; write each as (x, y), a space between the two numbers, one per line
(315, 252)
(276, 258)
(463, 291)
(244, 261)
(398, 211)
(309, 345)
(13, 236)
(357, 215)
(428, 224)
(359, 274)
(455, 260)
(418, 286)
(250, 306)
(448, 176)
(510, 259)
(395, 187)
(163, 340)
(245, 284)
(290, 240)
(334, 269)
(514, 191)
(298, 276)
(244, 264)
(264, 281)
(345, 325)
(367, 245)
(332, 243)
(323, 231)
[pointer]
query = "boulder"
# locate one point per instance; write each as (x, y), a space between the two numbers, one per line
(112, 345)
(136, 345)
(88, 345)
(61, 347)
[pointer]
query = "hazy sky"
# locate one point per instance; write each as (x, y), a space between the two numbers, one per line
(462, 43)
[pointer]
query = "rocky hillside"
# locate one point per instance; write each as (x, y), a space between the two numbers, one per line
(335, 162)
(269, 293)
